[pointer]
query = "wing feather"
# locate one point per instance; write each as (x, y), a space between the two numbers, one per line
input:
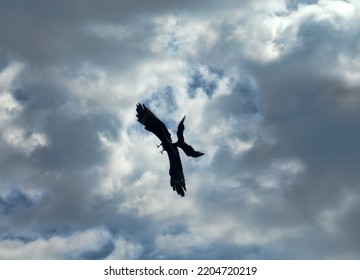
(152, 123)
(189, 151)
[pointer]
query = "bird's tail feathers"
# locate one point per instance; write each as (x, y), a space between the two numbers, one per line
(178, 185)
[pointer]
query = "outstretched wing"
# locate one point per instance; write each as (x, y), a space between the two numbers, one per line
(153, 124)
(180, 130)
(189, 151)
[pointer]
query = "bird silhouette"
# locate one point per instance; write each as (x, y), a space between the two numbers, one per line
(156, 126)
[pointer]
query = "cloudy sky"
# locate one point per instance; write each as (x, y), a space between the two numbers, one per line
(271, 94)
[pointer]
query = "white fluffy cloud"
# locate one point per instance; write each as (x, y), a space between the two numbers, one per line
(84, 244)
(13, 135)
(270, 94)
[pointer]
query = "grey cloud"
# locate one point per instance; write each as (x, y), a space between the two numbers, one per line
(14, 200)
(99, 253)
(299, 100)
(281, 144)
(44, 33)
(301, 107)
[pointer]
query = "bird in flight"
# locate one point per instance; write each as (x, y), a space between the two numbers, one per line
(154, 125)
